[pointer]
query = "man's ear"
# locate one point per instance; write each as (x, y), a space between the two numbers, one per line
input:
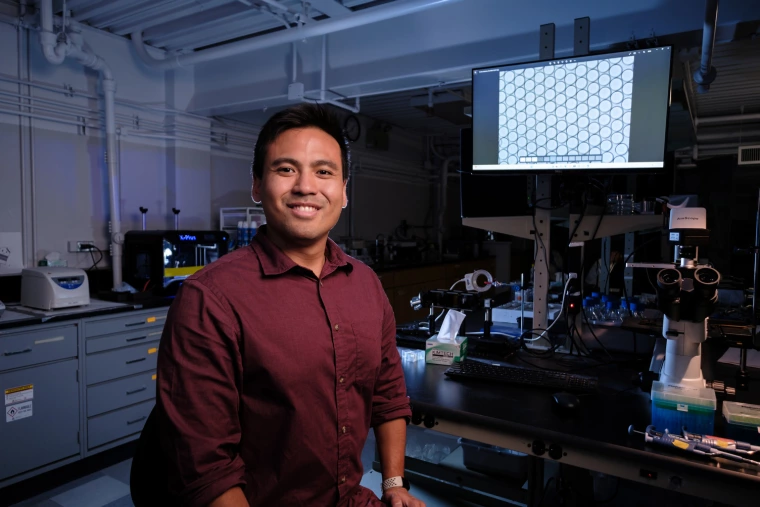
(345, 193)
(256, 190)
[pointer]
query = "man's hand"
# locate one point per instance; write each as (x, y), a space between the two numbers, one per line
(399, 497)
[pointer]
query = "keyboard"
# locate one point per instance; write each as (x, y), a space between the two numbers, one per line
(557, 380)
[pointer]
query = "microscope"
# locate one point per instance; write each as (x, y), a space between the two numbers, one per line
(687, 293)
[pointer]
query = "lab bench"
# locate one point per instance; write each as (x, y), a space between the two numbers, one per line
(74, 386)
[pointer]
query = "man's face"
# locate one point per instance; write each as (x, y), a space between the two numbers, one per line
(302, 189)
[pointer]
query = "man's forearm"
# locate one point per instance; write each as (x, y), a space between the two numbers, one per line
(231, 498)
(391, 443)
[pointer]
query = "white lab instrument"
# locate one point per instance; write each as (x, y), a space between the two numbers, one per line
(50, 288)
(687, 294)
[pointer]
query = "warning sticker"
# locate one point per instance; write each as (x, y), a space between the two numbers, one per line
(19, 411)
(19, 394)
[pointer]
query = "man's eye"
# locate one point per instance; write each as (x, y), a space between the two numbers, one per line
(284, 169)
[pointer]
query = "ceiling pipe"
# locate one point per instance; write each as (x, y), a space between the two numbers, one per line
(706, 73)
(53, 49)
(74, 47)
(316, 29)
(732, 118)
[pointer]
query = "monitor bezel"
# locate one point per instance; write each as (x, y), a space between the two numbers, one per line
(582, 170)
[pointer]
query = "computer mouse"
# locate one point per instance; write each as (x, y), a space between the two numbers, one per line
(566, 401)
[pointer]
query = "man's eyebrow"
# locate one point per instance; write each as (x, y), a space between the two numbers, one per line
(329, 163)
(285, 160)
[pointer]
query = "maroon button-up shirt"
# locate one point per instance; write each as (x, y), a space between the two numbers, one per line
(269, 378)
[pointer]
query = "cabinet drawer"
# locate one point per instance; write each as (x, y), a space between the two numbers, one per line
(122, 423)
(129, 322)
(35, 347)
(121, 362)
(45, 428)
(120, 340)
(120, 393)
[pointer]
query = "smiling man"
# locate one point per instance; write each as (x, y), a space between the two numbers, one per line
(278, 358)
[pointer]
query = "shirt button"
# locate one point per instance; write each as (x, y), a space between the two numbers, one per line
(344, 429)
(343, 479)
(337, 327)
(342, 380)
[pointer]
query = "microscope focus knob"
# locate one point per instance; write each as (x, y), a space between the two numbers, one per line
(416, 302)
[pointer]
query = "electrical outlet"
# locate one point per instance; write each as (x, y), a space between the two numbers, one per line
(79, 246)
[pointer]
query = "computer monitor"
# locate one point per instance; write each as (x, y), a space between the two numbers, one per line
(599, 113)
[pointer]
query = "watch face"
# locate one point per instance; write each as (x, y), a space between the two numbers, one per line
(353, 128)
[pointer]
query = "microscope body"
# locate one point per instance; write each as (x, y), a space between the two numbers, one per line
(687, 294)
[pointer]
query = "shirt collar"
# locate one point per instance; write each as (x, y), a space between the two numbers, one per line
(274, 261)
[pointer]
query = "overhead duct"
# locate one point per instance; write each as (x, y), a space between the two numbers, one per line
(318, 28)
(706, 73)
(72, 45)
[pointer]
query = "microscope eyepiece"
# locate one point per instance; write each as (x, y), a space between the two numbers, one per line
(669, 279)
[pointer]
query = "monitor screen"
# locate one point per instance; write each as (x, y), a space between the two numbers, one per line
(601, 113)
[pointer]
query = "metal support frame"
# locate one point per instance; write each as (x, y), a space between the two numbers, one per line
(581, 36)
(542, 235)
(546, 48)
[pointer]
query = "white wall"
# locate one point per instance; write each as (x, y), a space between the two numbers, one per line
(53, 176)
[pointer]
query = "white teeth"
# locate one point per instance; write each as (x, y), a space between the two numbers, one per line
(305, 208)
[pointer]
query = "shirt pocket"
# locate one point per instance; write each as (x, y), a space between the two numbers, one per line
(369, 356)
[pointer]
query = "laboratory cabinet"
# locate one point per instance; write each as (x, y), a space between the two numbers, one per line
(74, 388)
(40, 423)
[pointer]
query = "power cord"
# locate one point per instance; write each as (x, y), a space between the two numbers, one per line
(90, 247)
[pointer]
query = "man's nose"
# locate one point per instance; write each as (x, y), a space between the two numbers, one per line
(306, 183)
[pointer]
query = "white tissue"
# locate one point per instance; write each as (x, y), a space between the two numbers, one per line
(450, 327)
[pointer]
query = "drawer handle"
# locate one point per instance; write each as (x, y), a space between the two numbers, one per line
(137, 420)
(135, 391)
(131, 361)
(15, 352)
(136, 339)
(132, 324)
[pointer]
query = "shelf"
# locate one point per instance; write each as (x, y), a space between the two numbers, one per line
(611, 225)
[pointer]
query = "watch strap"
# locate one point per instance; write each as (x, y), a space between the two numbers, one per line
(395, 482)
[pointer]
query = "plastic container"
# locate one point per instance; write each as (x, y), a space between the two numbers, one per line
(675, 407)
(742, 422)
(492, 460)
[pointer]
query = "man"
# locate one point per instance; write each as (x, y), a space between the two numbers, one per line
(278, 358)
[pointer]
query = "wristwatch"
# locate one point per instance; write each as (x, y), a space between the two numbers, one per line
(396, 482)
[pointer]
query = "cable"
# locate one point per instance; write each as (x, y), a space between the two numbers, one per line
(90, 248)
(591, 329)
(561, 309)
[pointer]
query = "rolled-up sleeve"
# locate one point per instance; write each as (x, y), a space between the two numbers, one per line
(199, 378)
(389, 400)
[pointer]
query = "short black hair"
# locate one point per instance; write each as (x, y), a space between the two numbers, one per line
(300, 116)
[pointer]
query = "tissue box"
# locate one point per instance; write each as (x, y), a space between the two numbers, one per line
(437, 352)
